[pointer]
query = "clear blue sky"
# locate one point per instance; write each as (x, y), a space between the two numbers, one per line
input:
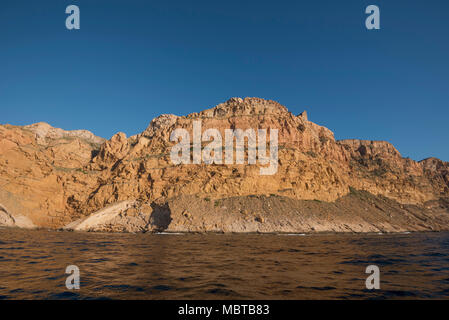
(134, 60)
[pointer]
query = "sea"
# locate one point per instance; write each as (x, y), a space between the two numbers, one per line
(33, 265)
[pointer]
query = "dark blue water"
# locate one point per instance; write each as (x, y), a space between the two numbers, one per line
(216, 266)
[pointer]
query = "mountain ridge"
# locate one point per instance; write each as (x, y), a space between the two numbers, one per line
(56, 177)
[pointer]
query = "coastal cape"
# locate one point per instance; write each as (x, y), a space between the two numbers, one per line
(74, 180)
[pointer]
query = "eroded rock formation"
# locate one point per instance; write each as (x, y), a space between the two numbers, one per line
(56, 177)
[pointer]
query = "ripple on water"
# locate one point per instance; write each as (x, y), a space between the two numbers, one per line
(226, 266)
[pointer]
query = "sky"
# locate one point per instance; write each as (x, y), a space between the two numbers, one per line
(132, 60)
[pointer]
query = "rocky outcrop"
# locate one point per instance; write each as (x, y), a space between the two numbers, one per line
(57, 178)
(42, 172)
(437, 172)
(125, 216)
(45, 132)
(8, 220)
(5, 217)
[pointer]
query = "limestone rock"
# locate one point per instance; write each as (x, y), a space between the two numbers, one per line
(124, 216)
(303, 115)
(43, 131)
(55, 177)
(18, 220)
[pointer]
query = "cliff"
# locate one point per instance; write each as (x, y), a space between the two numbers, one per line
(62, 178)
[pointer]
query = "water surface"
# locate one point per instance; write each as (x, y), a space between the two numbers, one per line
(222, 266)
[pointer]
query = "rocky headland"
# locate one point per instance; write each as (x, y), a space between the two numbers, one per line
(73, 180)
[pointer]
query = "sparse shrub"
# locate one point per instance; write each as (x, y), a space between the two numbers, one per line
(379, 172)
(82, 170)
(311, 154)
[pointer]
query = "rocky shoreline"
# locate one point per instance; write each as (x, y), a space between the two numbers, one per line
(358, 212)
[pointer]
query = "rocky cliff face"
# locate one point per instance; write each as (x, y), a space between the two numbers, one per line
(55, 177)
(41, 169)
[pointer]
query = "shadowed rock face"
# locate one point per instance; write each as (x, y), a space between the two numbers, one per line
(56, 177)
